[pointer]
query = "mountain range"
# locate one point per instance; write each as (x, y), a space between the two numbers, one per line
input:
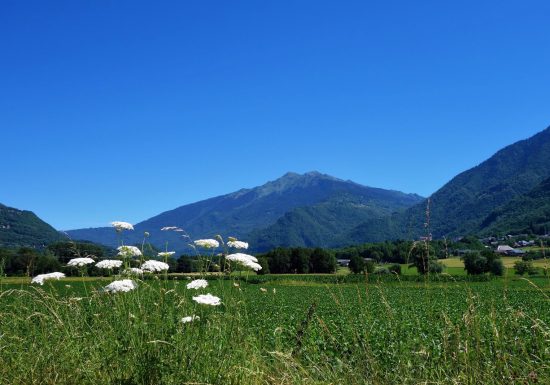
(507, 193)
(323, 206)
(464, 204)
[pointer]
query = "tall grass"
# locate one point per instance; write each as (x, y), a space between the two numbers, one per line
(364, 333)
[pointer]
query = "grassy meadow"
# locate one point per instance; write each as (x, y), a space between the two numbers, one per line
(290, 330)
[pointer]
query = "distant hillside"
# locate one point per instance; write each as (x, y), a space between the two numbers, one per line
(325, 224)
(24, 228)
(461, 206)
(313, 203)
(524, 214)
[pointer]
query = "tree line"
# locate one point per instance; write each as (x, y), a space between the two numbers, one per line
(424, 256)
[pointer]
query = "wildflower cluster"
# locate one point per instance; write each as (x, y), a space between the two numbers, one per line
(245, 260)
(197, 284)
(237, 244)
(207, 299)
(153, 266)
(108, 264)
(80, 262)
(39, 279)
(166, 254)
(207, 243)
(129, 251)
(190, 319)
(120, 226)
(123, 285)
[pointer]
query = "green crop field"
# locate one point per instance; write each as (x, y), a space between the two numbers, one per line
(507, 261)
(290, 330)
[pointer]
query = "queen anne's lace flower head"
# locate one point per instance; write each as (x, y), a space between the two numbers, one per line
(166, 254)
(237, 244)
(207, 299)
(190, 319)
(40, 278)
(207, 243)
(79, 262)
(132, 271)
(154, 266)
(128, 251)
(245, 260)
(197, 284)
(108, 264)
(123, 285)
(119, 226)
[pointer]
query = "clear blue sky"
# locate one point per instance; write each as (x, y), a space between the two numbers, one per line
(118, 110)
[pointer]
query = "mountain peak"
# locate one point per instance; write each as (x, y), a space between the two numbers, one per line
(307, 175)
(292, 180)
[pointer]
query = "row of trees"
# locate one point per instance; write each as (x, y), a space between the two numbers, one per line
(298, 260)
(422, 255)
(404, 251)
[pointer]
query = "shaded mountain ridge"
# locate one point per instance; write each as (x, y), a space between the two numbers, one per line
(244, 213)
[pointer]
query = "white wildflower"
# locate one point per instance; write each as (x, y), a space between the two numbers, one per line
(168, 228)
(108, 264)
(123, 285)
(237, 244)
(154, 266)
(79, 262)
(166, 254)
(238, 256)
(207, 243)
(197, 284)
(207, 299)
(190, 319)
(128, 251)
(40, 278)
(246, 260)
(132, 271)
(263, 289)
(119, 226)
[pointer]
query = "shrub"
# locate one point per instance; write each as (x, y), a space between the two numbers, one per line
(496, 267)
(435, 267)
(357, 264)
(523, 267)
(395, 268)
(369, 267)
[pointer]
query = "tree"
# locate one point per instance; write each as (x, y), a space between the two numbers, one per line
(264, 263)
(65, 251)
(422, 256)
(486, 261)
(185, 264)
(474, 263)
(357, 264)
(279, 261)
(322, 261)
(299, 260)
